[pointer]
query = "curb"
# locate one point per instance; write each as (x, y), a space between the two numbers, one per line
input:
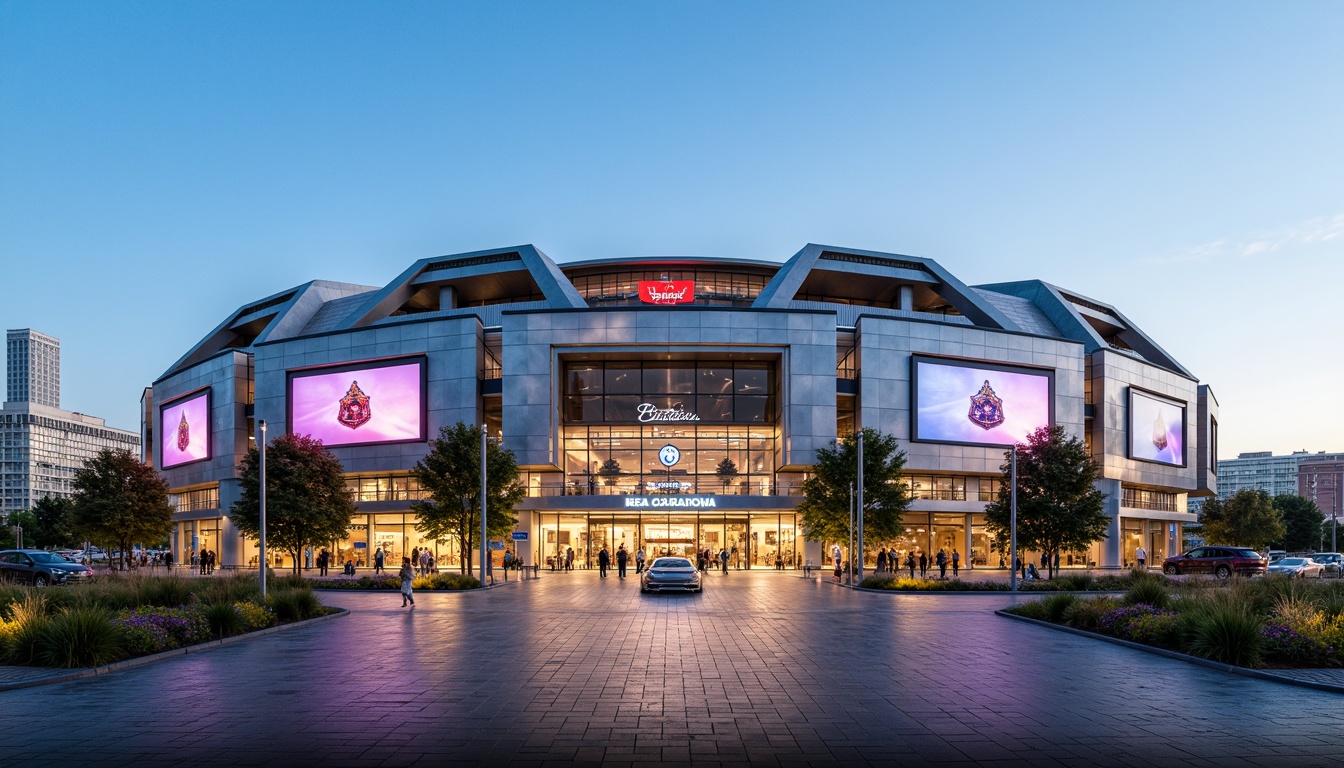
(150, 659)
(1258, 674)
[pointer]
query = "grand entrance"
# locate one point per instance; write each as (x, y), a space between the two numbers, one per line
(751, 539)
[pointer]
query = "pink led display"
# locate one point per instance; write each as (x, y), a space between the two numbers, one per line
(184, 430)
(1156, 429)
(957, 403)
(359, 404)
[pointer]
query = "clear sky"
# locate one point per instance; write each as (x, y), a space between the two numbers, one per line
(163, 163)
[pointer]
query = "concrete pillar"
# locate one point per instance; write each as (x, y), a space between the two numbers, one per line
(447, 297)
(907, 300)
(1112, 547)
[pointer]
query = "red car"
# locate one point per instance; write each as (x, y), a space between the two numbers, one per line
(1219, 561)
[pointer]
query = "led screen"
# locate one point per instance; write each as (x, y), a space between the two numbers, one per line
(359, 404)
(184, 430)
(978, 404)
(1156, 429)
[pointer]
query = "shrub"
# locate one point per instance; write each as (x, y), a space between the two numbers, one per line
(1224, 632)
(224, 619)
(79, 637)
(1285, 645)
(1032, 609)
(141, 637)
(1142, 623)
(1086, 614)
(166, 591)
(184, 626)
(1080, 582)
(454, 581)
(254, 616)
(293, 604)
(1056, 605)
(230, 589)
(1148, 592)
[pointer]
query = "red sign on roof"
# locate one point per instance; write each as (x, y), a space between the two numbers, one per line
(667, 291)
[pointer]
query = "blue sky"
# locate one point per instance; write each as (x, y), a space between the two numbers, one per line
(163, 163)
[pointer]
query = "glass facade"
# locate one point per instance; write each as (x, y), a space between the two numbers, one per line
(752, 540)
(712, 286)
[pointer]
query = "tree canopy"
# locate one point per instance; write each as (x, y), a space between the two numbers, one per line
(306, 499)
(53, 523)
(1245, 519)
(1303, 522)
(451, 474)
(119, 501)
(824, 510)
(1058, 505)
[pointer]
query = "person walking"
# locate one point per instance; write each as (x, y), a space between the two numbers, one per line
(956, 562)
(881, 561)
(737, 561)
(603, 562)
(424, 561)
(323, 560)
(639, 561)
(910, 563)
(723, 560)
(407, 575)
(415, 557)
(941, 560)
(1141, 555)
(378, 560)
(621, 558)
(569, 558)
(923, 564)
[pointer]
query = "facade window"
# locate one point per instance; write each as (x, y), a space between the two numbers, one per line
(195, 500)
(989, 488)
(738, 289)
(937, 487)
(1142, 498)
(385, 488)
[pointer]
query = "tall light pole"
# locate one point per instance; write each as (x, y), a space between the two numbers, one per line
(849, 571)
(860, 506)
(261, 484)
(485, 545)
(1012, 546)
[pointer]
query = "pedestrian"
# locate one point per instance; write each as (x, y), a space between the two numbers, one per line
(737, 561)
(923, 564)
(569, 558)
(307, 558)
(881, 561)
(1056, 561)
(1141, 555)
(603, 562)
(378, 560)
(723, 559)
(639, 561)
(941, 559)
(415, 557)
(835, 558)
(214, 560)
(323, 560)
(956, 562)
(407, 575)
(424, 561)
(621, 558)
(910, 563)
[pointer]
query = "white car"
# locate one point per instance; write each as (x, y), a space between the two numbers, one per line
(1300, 567)
(92, 554)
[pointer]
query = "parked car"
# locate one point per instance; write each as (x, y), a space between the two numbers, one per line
(1300, 567)
(1332, 561)
(671, 574)
(92, 555)
(40, 568)
(1219, 561)
(1275, 555)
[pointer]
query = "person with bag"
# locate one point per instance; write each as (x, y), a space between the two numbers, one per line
(407, 575)
(378, 560)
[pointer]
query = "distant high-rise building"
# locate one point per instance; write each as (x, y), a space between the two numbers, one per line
(41, 446)
(34, 368)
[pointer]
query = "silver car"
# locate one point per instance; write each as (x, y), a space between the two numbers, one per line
(1333, 562)
(1300, 567)
(671, 574)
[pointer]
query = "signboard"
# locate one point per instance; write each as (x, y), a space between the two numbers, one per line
(361, 545)
(702, 502)
(496, 545)
(520, 535)
(650, 412)
(667, 291)
(669, 455)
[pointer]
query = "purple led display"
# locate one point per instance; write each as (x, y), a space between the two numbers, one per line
(184, 430)
(979, 405)
(359, 404)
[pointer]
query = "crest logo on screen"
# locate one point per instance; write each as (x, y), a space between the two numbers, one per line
(183, 433)
(986, 408)
(354, 411)
(667, 291)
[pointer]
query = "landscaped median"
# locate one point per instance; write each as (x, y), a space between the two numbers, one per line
(1272, 622)
(1083, 582)
(113, 619)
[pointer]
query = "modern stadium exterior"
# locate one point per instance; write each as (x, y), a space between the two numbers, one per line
(589, 369)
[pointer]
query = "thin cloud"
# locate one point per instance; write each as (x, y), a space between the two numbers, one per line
(1316, 231)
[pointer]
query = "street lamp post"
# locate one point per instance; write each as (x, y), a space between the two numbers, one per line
(859, 506)
(849, 570)
(485, 545)
(1012, 545)
(261, 484)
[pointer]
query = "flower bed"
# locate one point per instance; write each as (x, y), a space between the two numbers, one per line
(1084, 582)
(124, 617)
(437, 581)
(1269, 622)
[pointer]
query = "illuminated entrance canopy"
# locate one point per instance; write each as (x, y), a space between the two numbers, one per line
(700, 502)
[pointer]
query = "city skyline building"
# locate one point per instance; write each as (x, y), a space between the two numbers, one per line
(676, 405)
(42, 445)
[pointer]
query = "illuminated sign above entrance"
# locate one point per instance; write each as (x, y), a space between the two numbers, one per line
(701, 502)
(650, 412)
(667, 291)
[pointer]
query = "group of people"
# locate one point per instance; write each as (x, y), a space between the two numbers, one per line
(890, 561)
(205, 561)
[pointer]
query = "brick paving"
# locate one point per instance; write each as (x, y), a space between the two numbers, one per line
(764, 669)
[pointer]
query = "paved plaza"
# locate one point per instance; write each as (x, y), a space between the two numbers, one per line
(763, 669)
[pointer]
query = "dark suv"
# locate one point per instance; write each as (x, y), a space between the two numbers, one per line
(40, 568)
(1219, 561)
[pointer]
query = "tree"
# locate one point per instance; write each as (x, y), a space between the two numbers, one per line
(119, 501)
(1058, 505)
(727, 471)
(54, 521)
(825, 506)
(610, 472)
(306, 498)
(451, 473)
(27, 522)
(1245, 519)
(1303, 522)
